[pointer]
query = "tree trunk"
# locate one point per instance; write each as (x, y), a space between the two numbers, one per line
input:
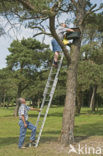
(79, 102)
(92, 102)
(38, 103)
(67, 136)
(4, 99)
(17, 104)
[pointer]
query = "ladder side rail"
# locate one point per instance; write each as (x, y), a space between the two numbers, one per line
(44, 96)
(48, 82)
(60, 64)
(47, 110)
(42, 105)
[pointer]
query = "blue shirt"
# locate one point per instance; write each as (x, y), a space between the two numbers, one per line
(23, 110)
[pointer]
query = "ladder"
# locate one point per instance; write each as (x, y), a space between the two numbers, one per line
(48, 96)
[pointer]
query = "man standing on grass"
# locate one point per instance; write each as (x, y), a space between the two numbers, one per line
(24, 123)
(61, 31)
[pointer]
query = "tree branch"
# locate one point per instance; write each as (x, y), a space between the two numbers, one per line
(69, 8)
(36, 27)
(42, 33)
(74, 3)
(29, 6)
(91, 11)
(98, 9)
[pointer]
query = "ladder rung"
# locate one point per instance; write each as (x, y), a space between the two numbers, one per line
(39, 128)
(40, 120)
(51, 93)
(46, 93)
(49, 86)
(42, 114)
(51, 80)
(53, 73)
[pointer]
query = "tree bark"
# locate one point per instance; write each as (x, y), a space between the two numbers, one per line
(4, 99)
(79, 102)
(38, 103)
(67, 136)
(92, 102)
(17, 104)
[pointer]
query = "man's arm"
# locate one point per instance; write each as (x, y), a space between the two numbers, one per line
(35, 109)
(70, 30)
(23, 119)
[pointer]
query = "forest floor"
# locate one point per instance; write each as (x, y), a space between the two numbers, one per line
(88, 133)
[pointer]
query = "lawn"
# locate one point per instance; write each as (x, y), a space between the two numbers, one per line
(88, 129)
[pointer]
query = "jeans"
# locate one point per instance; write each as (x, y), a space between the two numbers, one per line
(23, 132)
(55, 46)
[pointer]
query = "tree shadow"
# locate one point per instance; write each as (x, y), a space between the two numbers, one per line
(46, 139)
(56, 114)
(33, 115)
(77, 139)
(7, 116)
(99, 112)
(8, 141)
(5, 141)
(95, 129)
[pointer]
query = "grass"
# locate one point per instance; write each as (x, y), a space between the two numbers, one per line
(87, 125)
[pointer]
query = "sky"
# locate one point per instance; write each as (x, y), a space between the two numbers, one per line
(19, 33)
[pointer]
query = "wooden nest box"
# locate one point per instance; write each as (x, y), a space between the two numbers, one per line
(73, 35)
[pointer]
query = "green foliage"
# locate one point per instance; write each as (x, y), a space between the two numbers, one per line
(94, 28)
(28, 54)
(89, 74)
(90, 71)
(25, 63)
(95, 21)
(8, 89)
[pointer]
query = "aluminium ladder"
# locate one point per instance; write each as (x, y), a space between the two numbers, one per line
(48, 96)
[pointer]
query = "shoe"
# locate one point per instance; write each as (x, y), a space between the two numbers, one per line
(70, 44)
(33, 143)
(27, 145)
(55, 64)
(30, 144)
(23, 147)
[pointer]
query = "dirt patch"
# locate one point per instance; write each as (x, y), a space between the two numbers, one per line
(56, 149)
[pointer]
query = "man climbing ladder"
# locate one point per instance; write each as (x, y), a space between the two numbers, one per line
(61, 31)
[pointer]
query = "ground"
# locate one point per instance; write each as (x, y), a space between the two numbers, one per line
(88, 133)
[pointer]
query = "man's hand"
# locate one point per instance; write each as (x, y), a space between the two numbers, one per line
(25, 125)
(38, 110)
(35, 109)
(23, 119)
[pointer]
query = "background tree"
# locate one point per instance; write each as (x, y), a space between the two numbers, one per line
(7, 87)
(27, 58)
